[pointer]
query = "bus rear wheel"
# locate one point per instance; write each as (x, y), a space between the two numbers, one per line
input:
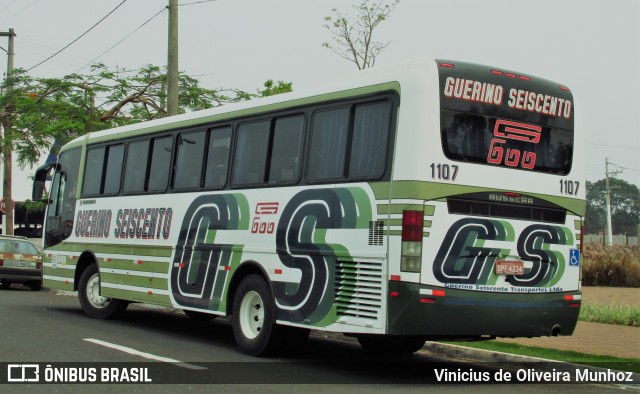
(93, 303)
(390, 344)
(254, 316)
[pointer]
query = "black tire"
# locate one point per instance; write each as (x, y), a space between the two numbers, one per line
(5, 284)
(94, 304)
(35, 285)
(389, 344)
(254, 316)
(199, 316)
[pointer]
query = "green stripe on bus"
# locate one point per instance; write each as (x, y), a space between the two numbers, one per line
(396, 209)
(158, 299)
(421, 190)
(54, 284)
(135, 265)
(108, 292)
(138, 281)
(61, 272)
(398, 223)
(111, 249)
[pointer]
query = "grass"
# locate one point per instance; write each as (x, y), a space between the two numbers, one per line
(622, 364)
(611, 314)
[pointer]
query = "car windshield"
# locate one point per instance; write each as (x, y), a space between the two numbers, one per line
(16, 246)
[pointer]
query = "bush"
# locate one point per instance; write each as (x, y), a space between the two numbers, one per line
(613, 266)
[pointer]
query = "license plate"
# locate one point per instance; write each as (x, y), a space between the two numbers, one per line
(21, 263)
(505, 267)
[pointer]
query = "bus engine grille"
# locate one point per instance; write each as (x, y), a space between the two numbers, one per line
(358, 289)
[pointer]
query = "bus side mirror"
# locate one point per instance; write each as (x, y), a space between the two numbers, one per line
(43, 174)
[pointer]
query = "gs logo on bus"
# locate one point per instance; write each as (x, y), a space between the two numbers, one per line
(466, 258)
(201, 264)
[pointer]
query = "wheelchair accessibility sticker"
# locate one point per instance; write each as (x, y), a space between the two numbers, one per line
(574, 257)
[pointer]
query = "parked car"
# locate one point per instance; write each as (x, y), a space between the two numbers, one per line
(20, 262)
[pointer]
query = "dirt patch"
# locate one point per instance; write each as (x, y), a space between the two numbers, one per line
(611, 295)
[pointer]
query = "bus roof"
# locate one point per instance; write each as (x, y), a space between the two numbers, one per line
(359, 83)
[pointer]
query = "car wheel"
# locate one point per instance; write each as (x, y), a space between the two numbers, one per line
(35, 285)
(254, 312)
(93, 303)
(5, 284)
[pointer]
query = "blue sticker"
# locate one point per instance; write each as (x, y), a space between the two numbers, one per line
(574, 257)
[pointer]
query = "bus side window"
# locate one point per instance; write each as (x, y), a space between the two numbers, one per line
(329, 136)
(369, 141)
(189, 160)
(218, 157)
(251, 153)
(55, 196)
(285, 153)
(136, 166)
(113, 170)
(93, 172)
(160, 165)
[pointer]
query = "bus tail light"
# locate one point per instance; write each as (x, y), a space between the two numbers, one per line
(412, 228)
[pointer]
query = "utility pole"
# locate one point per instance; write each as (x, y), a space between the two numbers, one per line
(7, 156)
(172, 60)
(609, 235)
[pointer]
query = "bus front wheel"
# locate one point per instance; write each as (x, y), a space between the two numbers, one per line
(93, 303)
(254, 317)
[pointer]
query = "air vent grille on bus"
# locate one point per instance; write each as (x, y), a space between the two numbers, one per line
(508, 211)
(358, 289)
(376, 232)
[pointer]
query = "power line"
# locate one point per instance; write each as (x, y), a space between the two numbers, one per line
(45, 50)
(196, 2)
(82, 35)
(624, 168)
(19, 12)
(8, 5)
(119, 42)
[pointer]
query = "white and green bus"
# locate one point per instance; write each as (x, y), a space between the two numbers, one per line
(433, 200)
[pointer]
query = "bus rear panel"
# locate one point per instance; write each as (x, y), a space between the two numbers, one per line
(485, 221)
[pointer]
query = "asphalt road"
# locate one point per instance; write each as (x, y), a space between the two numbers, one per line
(45, 328)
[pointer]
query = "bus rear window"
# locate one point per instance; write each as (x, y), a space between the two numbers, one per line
(486, 140)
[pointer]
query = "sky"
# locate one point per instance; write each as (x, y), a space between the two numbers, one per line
(591, 46)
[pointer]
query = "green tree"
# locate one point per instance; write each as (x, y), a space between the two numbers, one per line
(625, 207)
(271, 89)
(352, 36)
(42, 110)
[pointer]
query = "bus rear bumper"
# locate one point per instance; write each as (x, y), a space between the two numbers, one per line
(440, 313)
